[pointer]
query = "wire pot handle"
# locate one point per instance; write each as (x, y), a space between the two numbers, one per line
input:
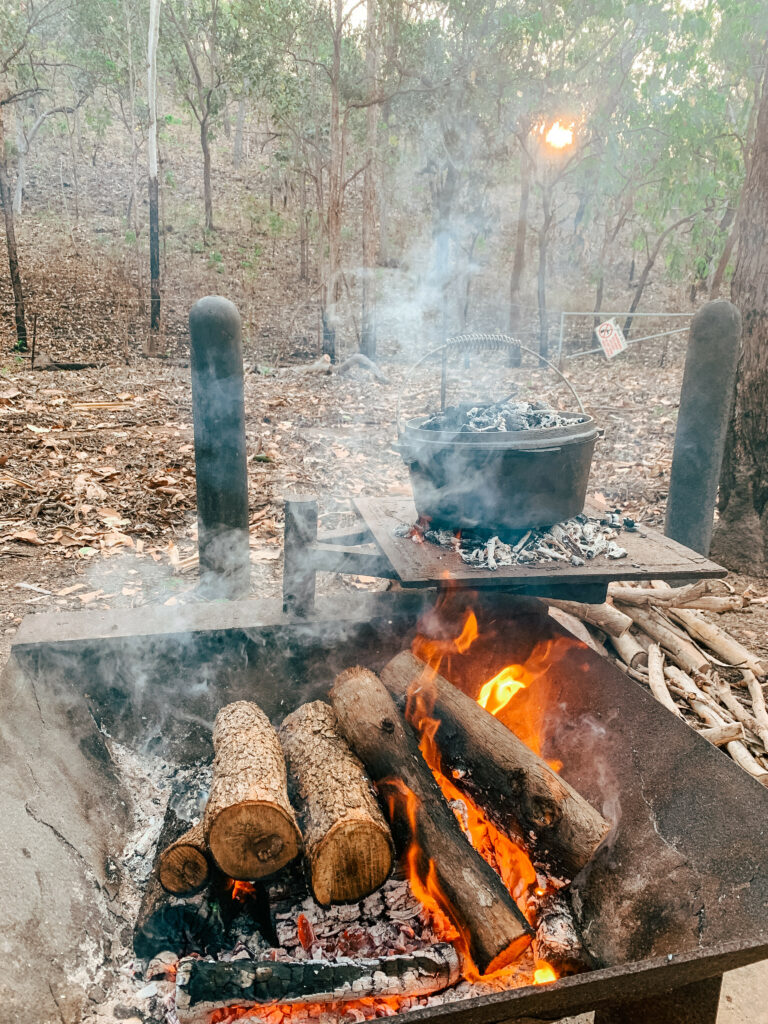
(463, 342)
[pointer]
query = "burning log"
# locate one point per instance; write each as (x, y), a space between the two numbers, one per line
(557, 938)
(517, 789)
(249, 824)
(184, 867)
(348, 843)
(470, 891)
(203, 986)
(197, 922)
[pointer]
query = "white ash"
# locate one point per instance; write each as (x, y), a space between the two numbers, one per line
(502, 417)
(574, 542)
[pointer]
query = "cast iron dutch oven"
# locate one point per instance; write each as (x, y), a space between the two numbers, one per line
(500, 481)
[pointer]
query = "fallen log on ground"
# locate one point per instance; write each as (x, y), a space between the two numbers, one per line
(347, 841)
(474, 897)
(202, 986)
(183, 866)
(515, 787)
(249, 824)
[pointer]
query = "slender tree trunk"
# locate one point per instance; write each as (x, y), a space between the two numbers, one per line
(154, 210)
(518, 262)
(368, 318)
(642, 281)
(22, 149)
(332, 287)
(741, 533)
(542, 273)
(10, 242)
(207, 193)
(237, 147)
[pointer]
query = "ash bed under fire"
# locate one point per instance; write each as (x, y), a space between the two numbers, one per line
(677, 895)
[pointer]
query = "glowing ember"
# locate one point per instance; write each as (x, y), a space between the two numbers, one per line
(544, 974)
(242, 890)
(559, 136)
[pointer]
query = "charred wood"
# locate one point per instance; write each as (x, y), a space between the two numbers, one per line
(558, 941)
(203, 986)
(184, 867)
(474, 896)
(515, 787)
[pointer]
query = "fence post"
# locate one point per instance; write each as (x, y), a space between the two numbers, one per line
(218, 413)
(706, 400)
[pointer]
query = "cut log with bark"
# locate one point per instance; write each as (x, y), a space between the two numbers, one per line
(250, 826)
(472, 894)
(181, 924)
(184, 867)
(202, 986)
(558, 941)
(516, 788)
(348, 844)
(604, 616)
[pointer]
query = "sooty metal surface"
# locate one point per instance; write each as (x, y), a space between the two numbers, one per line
(677, 894)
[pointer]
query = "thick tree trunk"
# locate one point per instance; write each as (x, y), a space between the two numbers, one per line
(741, 534)
(516, 788)
(10, 242)
(250, 826)
(347, 841)
(468, 890)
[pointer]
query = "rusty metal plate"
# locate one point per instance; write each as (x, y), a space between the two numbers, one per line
(650, 556)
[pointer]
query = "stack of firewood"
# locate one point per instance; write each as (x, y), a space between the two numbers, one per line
(659, 635)
(345, 784)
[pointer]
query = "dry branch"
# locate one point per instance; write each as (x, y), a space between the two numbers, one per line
(644, 596)
(476, 900)
(348, 843)
(249, 824)
(604, 616)
(630, 650)
(719, 642)
(516, 788)
(656, 680)
(203, 987)
(720, 735)
(682, 652)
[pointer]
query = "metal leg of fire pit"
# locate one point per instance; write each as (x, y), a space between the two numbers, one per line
(696, 1003)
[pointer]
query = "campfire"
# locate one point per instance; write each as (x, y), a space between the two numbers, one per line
(402, 843)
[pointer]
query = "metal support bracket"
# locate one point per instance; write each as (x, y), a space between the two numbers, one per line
(306, 552)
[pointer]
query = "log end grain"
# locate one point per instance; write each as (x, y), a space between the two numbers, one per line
(252, 839)
(353, 860)
(184, 869)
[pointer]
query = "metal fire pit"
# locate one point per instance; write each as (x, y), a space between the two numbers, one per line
(677, 895)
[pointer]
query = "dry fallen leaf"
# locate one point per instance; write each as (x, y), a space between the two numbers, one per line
(27, 536)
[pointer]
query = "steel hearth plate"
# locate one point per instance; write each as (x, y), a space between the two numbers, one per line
(650, 556)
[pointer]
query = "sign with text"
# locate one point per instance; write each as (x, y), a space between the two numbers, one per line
(611, 337)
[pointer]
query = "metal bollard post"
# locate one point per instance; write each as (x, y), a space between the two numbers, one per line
(218, 412)
(706, 400)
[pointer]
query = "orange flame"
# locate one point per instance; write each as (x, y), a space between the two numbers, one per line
(242, 890)
(500, 690)
(544, 973)
(433, 651)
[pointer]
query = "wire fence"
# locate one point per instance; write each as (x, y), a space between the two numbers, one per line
(578, 328)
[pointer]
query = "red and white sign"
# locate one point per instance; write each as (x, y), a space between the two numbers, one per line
(611, 337)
